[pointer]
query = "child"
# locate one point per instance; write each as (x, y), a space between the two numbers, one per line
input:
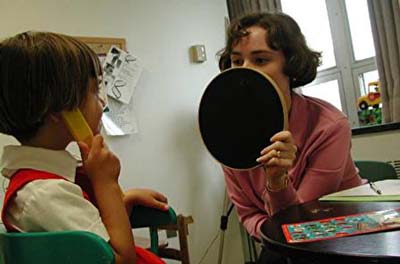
(41, 75)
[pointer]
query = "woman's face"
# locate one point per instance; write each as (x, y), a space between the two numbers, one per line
(252, 51)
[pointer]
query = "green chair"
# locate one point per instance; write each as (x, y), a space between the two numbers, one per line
(75, 247)
(375, 170)
(152, 218)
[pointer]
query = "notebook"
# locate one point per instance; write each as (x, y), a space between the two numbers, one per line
(390, 191)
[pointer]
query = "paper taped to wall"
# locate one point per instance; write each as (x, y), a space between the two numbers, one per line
(122, 71)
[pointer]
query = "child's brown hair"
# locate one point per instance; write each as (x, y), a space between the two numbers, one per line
(42, 73)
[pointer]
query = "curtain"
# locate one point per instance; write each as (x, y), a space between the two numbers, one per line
(385, 23)
(237, 8)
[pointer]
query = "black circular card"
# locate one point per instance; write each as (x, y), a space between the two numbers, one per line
(240, 110)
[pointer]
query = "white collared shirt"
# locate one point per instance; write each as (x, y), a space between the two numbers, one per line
(49, 205)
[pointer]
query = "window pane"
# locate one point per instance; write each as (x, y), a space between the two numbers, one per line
(370, 94)
(312, 18)
(367, 78)
(328, 91)
(360, 29)
(369, 103)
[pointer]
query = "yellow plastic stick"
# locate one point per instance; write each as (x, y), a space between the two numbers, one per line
(77, 126)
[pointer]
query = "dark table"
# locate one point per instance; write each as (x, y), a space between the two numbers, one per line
(382, 247)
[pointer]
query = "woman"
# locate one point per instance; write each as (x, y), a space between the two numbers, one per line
(309, 160)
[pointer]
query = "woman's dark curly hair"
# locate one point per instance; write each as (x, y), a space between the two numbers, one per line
(283, 34)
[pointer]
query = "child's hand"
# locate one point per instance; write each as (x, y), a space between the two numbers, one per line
(99, 162)
(145, 197)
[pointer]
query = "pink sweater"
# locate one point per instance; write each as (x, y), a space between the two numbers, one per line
(323, 165)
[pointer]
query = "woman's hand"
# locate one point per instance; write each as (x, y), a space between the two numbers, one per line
(99, 162)
(277, 159)
(145, 197)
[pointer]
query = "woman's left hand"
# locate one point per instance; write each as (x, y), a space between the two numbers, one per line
(145, 197)
(278, 158)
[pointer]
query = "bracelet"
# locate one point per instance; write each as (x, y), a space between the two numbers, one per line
(285, 184)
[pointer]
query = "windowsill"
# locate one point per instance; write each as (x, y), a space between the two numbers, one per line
(375, 128)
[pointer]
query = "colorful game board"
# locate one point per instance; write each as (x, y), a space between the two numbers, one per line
(348, 225)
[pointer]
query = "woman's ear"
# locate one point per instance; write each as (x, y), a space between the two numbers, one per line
(224, 62)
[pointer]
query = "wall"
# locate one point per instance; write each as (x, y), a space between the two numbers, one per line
(383, 146)
(167, 154)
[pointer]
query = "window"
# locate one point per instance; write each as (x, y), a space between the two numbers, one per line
(358, 16)
(321, 41)
(328, 91)
(341, 30)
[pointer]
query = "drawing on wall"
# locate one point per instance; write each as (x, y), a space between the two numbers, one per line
(121, 72)
(119, 119)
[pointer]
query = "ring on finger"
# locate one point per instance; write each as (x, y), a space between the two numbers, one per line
(278, 154)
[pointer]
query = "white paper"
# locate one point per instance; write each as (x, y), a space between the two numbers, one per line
(121, 74)
(387, 187)
(120, 119)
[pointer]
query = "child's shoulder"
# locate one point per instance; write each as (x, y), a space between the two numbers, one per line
(40, 185)
(28, 175)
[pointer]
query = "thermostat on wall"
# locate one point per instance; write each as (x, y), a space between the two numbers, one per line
(198, 53)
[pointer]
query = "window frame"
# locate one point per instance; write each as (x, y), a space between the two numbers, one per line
(347, 69)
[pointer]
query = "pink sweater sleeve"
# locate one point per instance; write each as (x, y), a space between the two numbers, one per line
(327, 163)
(250, 215)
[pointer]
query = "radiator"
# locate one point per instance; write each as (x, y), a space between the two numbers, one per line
(396, 165)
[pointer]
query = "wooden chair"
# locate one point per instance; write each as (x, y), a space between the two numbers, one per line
(152, 218)
(177, 224)
(181, 227)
